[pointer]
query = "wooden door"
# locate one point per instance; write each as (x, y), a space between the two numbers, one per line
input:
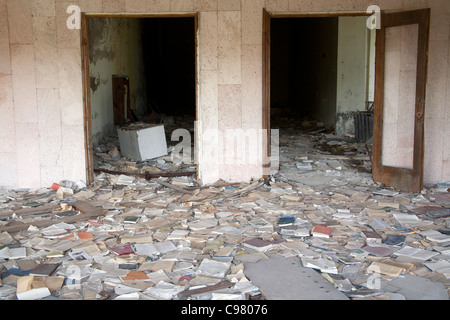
(266, 148)
(121, 100)
(400, 88)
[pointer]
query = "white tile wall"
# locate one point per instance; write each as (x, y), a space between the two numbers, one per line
(43, 58)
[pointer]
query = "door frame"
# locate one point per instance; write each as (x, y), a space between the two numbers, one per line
(410, 180)
(87, 117)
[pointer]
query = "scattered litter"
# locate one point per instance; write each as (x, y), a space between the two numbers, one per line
(132, 236)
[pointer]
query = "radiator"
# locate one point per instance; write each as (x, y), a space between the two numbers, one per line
(363, 125)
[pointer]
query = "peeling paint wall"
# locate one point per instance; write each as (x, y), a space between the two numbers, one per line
(115, 48)
(41, 100)
(352, 72)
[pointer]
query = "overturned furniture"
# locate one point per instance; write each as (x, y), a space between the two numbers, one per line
(142, 142)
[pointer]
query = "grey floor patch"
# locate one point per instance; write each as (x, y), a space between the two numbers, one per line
(281, 278)
(416, 288)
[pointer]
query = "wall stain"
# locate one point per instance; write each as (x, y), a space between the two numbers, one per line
(95, 82)
(99, 36)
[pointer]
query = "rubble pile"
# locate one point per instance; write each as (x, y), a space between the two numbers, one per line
(126, 237)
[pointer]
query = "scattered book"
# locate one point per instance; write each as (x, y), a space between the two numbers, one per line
(322, 264)
(296, 233)
(378, 251)
(347, 259)
(131, 219)
(67, 214)
(122, 250)
(260, 245)
(135, 275)
(79, 255)
(85, 236)
(286, 221)
(438, 213)
(371, 237)
(44, 270)
(153, 266)
(442, 267)
(56, 233)
(394, 239)
(435, 236)
(164, 247)
(129, 266)
(28, 288)
(13, 253)
(55, 254)
(178, 234)
(124, 180)
(145, 249)
(321, 231)
(26, 265)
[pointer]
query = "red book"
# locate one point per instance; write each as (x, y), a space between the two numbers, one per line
(122, 250)
(85, 236)
(321, 231)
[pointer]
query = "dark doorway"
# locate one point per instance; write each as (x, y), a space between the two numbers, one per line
(303, 70)
(169, 51)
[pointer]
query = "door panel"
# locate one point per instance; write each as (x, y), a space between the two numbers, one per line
(401, 68)
(399, 95)
(266, 94)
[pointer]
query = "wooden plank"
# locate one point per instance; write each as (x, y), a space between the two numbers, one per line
(149, 176)
(87, 212)
(168, 185)
(31, 211)
(222, 285)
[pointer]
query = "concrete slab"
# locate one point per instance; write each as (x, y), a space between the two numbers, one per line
(416, 288)
(281, 278)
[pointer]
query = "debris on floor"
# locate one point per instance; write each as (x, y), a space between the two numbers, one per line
(144, 148)
(127, 237)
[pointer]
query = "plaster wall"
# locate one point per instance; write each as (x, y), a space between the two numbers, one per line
(352, 72)
(115, 48)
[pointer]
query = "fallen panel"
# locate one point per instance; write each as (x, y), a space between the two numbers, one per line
(281, 278)
(416, 288)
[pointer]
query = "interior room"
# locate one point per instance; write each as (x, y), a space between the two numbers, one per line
(142, 70)
(322, 70)
(321, 82)
(304, 69)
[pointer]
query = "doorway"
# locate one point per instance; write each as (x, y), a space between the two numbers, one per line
(145, 65)
(303, 76)
(319, 72)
